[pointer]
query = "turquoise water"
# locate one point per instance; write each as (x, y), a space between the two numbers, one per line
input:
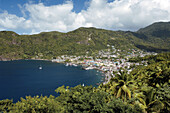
(23, 77)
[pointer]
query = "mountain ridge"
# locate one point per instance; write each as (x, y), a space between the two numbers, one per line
(81, 41)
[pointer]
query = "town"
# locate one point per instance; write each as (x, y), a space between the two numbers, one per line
(109, 61)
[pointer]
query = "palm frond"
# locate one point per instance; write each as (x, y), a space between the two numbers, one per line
(119, 93)
(126, 90)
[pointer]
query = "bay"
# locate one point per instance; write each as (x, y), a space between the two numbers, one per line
(23, 78)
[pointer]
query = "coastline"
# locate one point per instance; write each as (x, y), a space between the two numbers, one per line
(105, 77)
(104, 80)
(8, 59)
(26, 75)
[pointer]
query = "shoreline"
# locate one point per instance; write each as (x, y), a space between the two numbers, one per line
(104, 75)
(104, 80)
(4, 60)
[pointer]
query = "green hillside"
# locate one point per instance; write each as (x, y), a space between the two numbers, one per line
(81, 41)
(159, 29)
(156, 36)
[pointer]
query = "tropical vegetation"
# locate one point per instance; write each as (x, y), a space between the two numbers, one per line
(146, 89)
(82, 41)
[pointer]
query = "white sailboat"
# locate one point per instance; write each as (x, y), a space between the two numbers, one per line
(40, 67)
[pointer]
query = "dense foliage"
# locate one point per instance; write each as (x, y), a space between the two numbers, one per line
(145, 89)
(152, 58)
(81, 41)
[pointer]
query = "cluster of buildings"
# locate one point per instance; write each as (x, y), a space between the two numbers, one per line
(106, 61)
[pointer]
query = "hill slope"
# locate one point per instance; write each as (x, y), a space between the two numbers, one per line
(159, 29)
(157, 35)
(81, 41)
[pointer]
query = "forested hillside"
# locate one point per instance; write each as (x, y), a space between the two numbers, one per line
(157, 34)
(82, 41)
(146, 89)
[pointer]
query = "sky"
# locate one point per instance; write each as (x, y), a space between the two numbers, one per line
(35, 16)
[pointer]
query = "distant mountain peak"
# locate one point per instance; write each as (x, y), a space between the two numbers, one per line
(158, 29)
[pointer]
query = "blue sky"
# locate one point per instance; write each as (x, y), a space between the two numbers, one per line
(35, 16)
(12, 5)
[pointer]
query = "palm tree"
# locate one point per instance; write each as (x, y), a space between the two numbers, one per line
(139, 98)
(152, 102)
(155, 75)
(120, 85)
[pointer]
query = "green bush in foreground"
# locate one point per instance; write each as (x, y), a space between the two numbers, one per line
(74, 100)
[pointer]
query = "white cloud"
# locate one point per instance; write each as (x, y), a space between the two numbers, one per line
(45, 18)
(115, 15)
(10, 21)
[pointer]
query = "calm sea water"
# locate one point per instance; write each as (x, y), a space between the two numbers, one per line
(22, 78)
